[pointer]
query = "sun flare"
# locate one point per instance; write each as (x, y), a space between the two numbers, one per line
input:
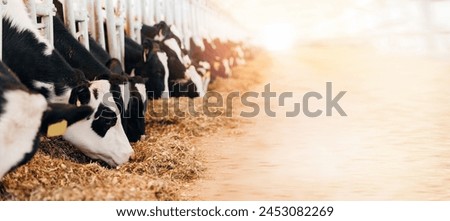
(277, 37)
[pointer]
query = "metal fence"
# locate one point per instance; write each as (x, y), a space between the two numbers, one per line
(192, 18)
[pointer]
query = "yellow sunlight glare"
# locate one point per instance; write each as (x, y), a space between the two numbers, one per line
(277, 37)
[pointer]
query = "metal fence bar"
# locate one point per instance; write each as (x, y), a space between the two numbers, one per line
(44, 10)
(193, 18)
(115, 30)
(99, 20)
(148, 12)
(134, 20)
(158, 8)
(76, 20)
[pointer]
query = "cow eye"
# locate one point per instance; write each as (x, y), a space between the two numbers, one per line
(109, 122)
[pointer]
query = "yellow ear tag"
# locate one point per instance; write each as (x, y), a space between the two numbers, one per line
(57, 129)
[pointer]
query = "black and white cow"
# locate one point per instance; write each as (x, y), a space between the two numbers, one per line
(150, 63)
(184, 79)
(128, 94)
(43, 69)
(24, 115)
(172, 38)
(201, 60)
(220, 66)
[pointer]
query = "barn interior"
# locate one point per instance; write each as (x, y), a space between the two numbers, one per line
(390, 60)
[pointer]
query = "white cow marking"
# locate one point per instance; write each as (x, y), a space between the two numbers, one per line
(197, 79)
(172, 44)
(163, 58)
(19, 125)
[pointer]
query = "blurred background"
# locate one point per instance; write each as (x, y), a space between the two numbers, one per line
(413, 26)
(391, 56)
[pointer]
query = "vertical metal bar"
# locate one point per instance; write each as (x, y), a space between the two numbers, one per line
(130, 19)
(83, 24)
(176, 6)
(115, 32)
(69, 16)
(194, 9)
(138, 18)
(144, 14)
(48, 20)
(91, 14)
(158, 12)
(134, 20)
(169, 11)
(31, 5)
(111, 29)
(99, 28)
(185, 20)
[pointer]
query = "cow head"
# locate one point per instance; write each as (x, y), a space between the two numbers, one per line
(134, 108)
(115, 66)
(23, 117)
(130, 97)
(101, 135)
(153, 69)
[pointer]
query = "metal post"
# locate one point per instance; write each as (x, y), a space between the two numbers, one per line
(76, 18)
(168, 8)
(69, 16)
(159, 15)
(115, 26)
(46, 10)
(111, 29)
(99, 20)
(83, 23)
(178, 13)
(130, 20)
(147, 13)
(31, 6)
(2, 5)
(134, 20)
(194, 23)
(185, 9)
(91, 14)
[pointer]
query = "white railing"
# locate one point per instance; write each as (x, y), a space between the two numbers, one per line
(115, 25)
(134, 19)
(76, 20)
(96, 21)
(147, 12)
(45, 10)
(193, 18)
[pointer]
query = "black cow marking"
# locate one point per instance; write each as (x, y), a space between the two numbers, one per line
(95, 92)
(104, 119)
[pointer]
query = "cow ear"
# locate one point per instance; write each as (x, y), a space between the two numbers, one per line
(58, 117)
(80, 95)
(79, 76)
(147, 47)
(115, 66)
